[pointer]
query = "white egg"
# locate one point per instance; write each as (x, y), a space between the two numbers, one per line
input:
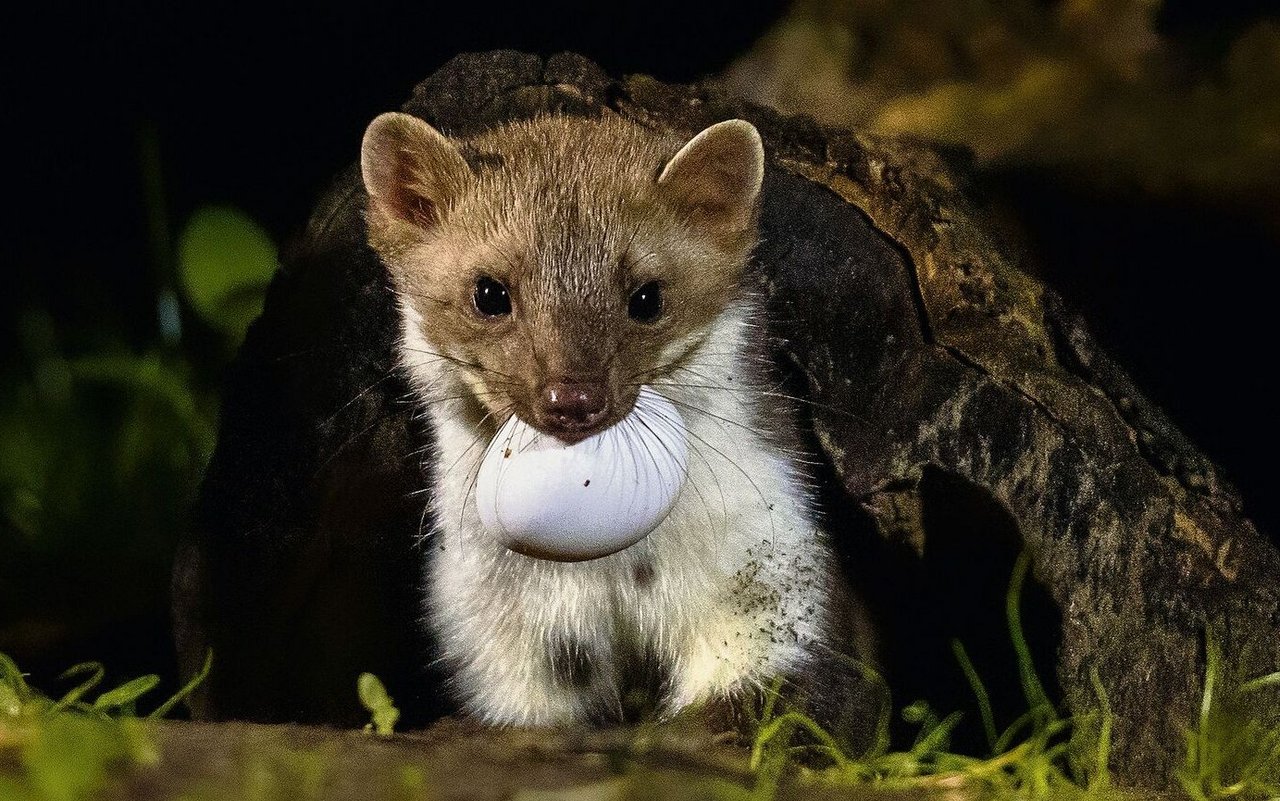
(569, 503)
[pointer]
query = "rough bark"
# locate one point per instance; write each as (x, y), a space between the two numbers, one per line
(923, 347)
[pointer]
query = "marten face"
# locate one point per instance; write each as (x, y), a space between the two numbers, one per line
(557, 265)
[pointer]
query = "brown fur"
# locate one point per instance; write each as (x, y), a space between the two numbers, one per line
(570, 215)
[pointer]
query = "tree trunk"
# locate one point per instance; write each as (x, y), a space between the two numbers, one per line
(923, 347)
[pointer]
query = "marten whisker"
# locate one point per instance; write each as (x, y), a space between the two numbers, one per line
(692, 407)
(688, 475)
(331, 418)
(377, 420)
(693, 445)
(422, 296)
(467, 395)
(771, 393)
(463, 362)
(477, 439)
(696, 351)
(479, 436)
(651, 254)
(768, 507)
(475, 472)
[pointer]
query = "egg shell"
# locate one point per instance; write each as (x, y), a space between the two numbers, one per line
(596, 497)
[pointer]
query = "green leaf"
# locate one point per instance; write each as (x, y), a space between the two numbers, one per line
(1269, 680)
(126, 693)
(1101, 774)
(71, 758)
(1031, 687)
(187, 688)
(225, 261)
(979, 691)
(10, 705)
(93, 670)
(375, 699)
(13, 687)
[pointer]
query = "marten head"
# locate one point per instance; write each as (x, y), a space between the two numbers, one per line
(560, 263)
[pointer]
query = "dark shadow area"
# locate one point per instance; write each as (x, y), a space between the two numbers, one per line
(261, 108)
(957, 590)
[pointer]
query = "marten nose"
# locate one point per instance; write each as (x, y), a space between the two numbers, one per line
(570, 409)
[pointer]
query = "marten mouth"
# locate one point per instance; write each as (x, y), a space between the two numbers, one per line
(572, 435)
(571, 503)
(573, 419)
(576, 436)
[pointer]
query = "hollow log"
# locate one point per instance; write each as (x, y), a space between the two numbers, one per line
(920, 344)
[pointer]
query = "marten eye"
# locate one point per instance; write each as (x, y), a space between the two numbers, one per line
(491, 298)
(646, 303)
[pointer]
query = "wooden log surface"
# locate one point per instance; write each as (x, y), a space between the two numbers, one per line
(159, 761)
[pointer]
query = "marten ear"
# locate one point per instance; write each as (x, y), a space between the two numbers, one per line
(411, 172)
(717, 175)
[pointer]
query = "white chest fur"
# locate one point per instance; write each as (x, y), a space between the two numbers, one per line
(729, 591)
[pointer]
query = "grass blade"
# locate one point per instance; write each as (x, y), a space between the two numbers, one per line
(188, 688)
(126, 694)
(979, 692)
(1031, 687)
(95, 672)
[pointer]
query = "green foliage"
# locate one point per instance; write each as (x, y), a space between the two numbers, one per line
(103, 437)
(77, 431)
(18, 700)
(69, 748)
(374, 697)
(181, 695)
(1030, 758)
(71, 757)
(100, 452)
(225, 261)
(75, 420)
(1229, 753)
